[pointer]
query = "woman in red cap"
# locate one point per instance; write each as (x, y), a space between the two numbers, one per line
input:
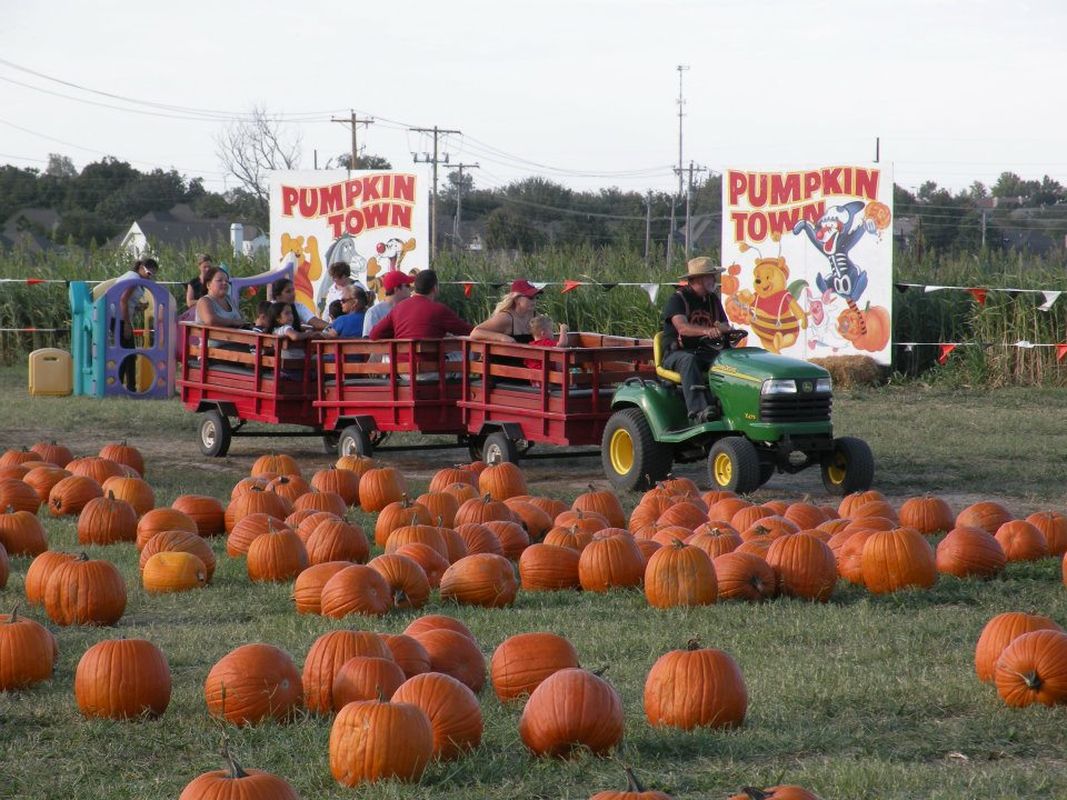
(510, 320)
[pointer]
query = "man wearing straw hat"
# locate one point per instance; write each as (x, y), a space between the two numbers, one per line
(692, 316)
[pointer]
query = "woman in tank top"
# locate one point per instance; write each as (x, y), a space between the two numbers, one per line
(510, 320)
(216, 308)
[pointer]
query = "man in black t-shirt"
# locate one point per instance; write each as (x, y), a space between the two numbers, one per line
(694, 313)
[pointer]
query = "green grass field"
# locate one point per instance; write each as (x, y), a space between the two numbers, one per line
(862, 697)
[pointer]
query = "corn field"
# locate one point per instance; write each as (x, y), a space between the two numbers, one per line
(990, 331)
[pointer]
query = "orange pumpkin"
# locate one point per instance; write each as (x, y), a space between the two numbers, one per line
(867, 329)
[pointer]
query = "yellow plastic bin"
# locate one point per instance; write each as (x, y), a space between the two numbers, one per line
(51, 372)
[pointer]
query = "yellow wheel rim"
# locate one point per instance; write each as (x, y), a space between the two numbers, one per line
(836, 471)
(621, 452)
(722, 469)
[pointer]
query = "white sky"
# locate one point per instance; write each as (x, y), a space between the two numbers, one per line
(958, 90)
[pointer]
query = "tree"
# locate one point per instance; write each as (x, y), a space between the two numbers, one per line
(362, 162)
(60, 166)
(251, 149)
(506, 229)
(1010, 185)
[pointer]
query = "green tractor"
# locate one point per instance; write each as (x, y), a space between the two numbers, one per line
(774, 417)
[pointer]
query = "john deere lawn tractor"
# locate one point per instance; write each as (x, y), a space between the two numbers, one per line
(774, 416)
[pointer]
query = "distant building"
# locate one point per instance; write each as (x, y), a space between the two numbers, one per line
(30, 229)
(180, 228)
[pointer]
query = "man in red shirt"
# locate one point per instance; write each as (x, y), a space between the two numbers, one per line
(421, 316)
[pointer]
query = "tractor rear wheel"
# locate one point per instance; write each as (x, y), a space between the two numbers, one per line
(631, 456)
(734, 465)
(849, 467)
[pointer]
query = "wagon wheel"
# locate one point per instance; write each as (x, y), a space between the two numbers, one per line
(330, 441)
(499, 446)
(354, 441)
(215, 434)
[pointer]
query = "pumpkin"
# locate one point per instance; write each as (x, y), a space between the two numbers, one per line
(337, 540)
(572, 708)
(805, 515)
(633, 791)
(432, 562)
(857, 499)
(714, 540)
(84, 591)
(927, 514)
(321, 501)
(234, 783)
(987, 515)
(747, 517)
(432, 622)
(522, 662)
(874, 508)
(610, 562)
(479, 539)
(786, 791)
(248, 529)
(442, 507)
(21, 533)
(501, 480)
(773, 526)
(15, 457)
(897, 559)
(206, 512)
(275, 464)
(291, 487)
(457, 548)
(20, 496)
(307, 589)
(27, 652)
(1053, 527)
(679, 485)
(53, 453)
(380, 486)
(253, 683)
(511, 536)
(366, 678)
(550, 505)
(247, 484)
(713, 496)
(970, 552)
(408, 584)
(163, 519)
(680, 575)
(408, 653)
(327, 655)
(256, 501)
(5, 567)
(482, 509)
(602, 502)
(1001, 631)
(42, 479)
(399, 514)
(695, 687)
(173, 572)
(357, 589)
(744, 576)
(533, 519)
(571, 538)
(356, 464)
(15, 471)
(39, 571)
(310, 521)
(867, 329)
(1021, 541)
(726, 508)
(454, 654)
(123, 453)
(99, 469)
(107, 520)
(684, 514)
(122, 679)
(277, 555)
(372, 740)
(804, 565)
(453, 710)
(294, 519)
(428, 535)
(449, 475)
(547, 568)
(481, 579)
(1033, 669)
(134, 491)
(850, 556)
(461, 491)
(179, 542)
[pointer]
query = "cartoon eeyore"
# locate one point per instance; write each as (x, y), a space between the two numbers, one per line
(838, 231)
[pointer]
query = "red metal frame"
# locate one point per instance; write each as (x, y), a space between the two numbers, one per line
(240, 369)
(563, 397)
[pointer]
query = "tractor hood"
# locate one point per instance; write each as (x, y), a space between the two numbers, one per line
(757, 365)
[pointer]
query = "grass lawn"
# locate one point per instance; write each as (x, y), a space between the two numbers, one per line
(863, 697)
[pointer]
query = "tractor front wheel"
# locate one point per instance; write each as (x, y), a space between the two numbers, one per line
(849, 467)
(734, 465)
(631, 456)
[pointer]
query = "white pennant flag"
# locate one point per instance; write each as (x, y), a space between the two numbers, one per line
(1050, 298)
(933, 288)
(539, 285)
(653, 291)
(1023, 343)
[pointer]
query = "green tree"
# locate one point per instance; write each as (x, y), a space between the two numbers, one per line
(506, 229)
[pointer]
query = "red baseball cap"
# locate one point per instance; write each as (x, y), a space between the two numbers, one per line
(395, 279)
(525, 288)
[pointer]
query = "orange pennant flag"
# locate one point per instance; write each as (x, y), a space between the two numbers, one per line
(34, 281)
(944, 352)
(978, 295)
(1061, 351)
(467, 287)
(569, 285)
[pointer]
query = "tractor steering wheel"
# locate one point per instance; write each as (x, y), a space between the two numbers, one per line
(723, 341)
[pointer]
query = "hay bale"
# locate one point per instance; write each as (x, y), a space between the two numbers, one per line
(849, 372)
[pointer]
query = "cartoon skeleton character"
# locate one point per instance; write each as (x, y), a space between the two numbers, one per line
(838, 231)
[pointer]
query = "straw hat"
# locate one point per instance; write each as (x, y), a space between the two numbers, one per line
(699, 267)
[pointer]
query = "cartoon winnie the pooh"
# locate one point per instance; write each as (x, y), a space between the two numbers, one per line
(775, 314)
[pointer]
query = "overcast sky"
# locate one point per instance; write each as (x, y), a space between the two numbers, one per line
(583, 91)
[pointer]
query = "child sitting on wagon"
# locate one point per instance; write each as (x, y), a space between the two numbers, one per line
(541, 331)
(280, 323)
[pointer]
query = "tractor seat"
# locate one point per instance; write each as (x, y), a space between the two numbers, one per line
(657, 356)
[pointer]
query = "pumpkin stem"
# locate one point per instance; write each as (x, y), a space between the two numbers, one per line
(14, 614)
(692, 644)
(10, 509)
(600, 672)
(236, 772)
(756, 794)
(487, 498)
(1032, 680)
(82, 556)
(632, 784)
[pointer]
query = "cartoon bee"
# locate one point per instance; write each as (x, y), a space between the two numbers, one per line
(775, 314)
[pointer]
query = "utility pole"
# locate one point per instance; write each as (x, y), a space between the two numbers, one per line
(648, 227)
(682, 68)
(983, 229)
(435, 161)
(877, 148)
(688, 203)
(459, 201)
(354, 122)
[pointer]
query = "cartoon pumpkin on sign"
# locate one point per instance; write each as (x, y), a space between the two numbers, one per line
(867, 329)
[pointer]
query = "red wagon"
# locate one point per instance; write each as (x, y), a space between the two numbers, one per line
(514, 396)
